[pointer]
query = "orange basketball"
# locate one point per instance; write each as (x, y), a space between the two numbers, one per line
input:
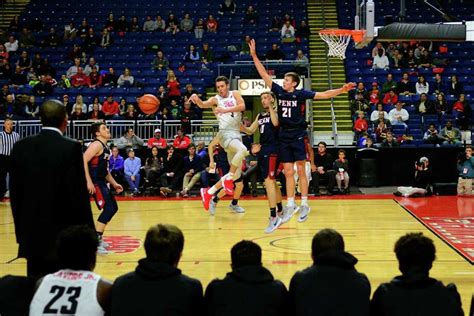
(149, 104)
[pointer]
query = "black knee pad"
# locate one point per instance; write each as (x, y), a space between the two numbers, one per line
(107, 213)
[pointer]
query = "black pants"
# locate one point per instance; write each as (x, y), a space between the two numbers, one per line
(170, 182)
(251, 175)
(5, 164)
(329, 175)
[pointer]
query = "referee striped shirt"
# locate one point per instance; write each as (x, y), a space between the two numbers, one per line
(7, 140)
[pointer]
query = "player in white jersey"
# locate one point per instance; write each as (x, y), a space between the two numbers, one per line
(228, 107)
(75, 289)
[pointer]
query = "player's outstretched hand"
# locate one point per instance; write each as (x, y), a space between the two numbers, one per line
(348, 86)
(253, 47)
(193, 98)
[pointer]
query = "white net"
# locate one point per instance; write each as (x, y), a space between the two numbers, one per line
(337, 44)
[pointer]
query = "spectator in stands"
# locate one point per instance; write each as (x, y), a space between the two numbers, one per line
(323, 161)
(451, 135)
(116, 165)
(80, 102)
(390, 50)
(96, 113)
(11, 108)
(70, 31)
(390, 98)
(404, 86)
(275, 53)
(153, 168)
(122, 25)
(438, 85)
(31, 108)
(432, 136)
(181, 142)
(110, 22)
(398, 115)
(83, 29)
(123, 106)
(465, 168)
(389, 141)
(3, 93)
(462, 112)
(11, 45)
(27, 39)
(132, 166)
(440, 104)
(18, 79)
(126, 79)
(248, 282)
(77, 246)
(207, 55)
(303, 31)
(193, 166)
(455, 87)
(424, 105)
(110, 78)
(68, 105)
(80, 79)
(425, 60)
(227, 7)
(172, 28)
(172, 19)
(173, 86)
(95, 100)
(160, 62)
(341, 165)
(359, 104)
(30, 75)
(160, 24)
(46, 69)
(331, 285)
(190, 91)
(14, 25)
(75, 52)
(199, 29)
(130, 113)
(410, 61)
(37, 62)
(211, 24)
(251, 16)
(375, 50)
(73, 69)
(149, 25)
(5, 70)
(187, 23)
(422, 86)
(374, 117)
(157, 285)
(90, 41)
(174, 109)
(24, 62)
(43, 88)
(158, 142)
(172, 171)
(186, 115)
(301, 57)
(64, 82)
(414, 291)
(192, 55)
(382, 126)
(374, 94)
(32, 79)
(106, 39)
(95, 79)
(245, 49)
(397, 60)
(380, 61)
(360, 125)
(287, 33)
(134, 25)
(129, 140)
(78, 114)
(390, 84)
(110, 108)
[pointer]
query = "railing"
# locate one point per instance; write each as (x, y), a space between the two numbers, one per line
(201, 130)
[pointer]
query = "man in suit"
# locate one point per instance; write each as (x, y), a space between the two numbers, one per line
(48, 190)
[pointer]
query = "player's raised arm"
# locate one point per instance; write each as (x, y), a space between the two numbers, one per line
(203, 104)
(238, 107)
(273, 116)
(252, 128)
(334, 92)
(261, 70)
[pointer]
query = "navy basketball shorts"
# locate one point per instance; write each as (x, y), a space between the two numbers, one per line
(292, 147)
(268, 165)
(105, 202)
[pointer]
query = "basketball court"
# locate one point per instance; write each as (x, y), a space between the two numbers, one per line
(370, 225)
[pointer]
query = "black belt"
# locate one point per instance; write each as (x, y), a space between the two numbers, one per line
(465, 177)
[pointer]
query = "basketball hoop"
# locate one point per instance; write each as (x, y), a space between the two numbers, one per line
(338, 40)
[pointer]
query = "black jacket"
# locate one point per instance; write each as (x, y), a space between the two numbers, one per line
(416, 295)
(325, 161)
(156, 289)
(16, 293)
(248, 291)
(332, 286)
(48, 191)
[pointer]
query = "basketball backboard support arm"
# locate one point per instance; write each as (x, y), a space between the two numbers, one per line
(365, 20)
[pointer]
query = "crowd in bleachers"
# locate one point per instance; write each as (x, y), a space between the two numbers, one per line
(330, 286)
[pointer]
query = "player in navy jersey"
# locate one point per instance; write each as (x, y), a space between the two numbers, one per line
(96, 165)
(292, 119)
(267, 124)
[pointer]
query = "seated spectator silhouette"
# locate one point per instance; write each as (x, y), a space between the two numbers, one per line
(181, 142)
(172, 171)
(360, 125)
(227, 7)
(455, 87)
(382, 126)
(132, 166)
(451, 135)
(414, 292)
(16, 293)
(380, 60)
(377, 47)
(275, 53)
(249, 289)
(251, 16)
(422, 86)
(157, 286)
(126, 79)
(287, 33)
(432, 136)
(389, 84)
(390, 98)
(303, 31)
(323, 161)
(158, 142)
(438, 84)
(43, 88)
(374, 116)
(425, 60)
(80, 79)
(149, 25)
(211, 24)
(425, 105)
(160, 62)
(398, 115)
(110, 78)
(187, 23)
(462, 112)
(389, 141)
(193, 166)
(129, 140)
(332, 285)
(153, 168)
(74, 289)
(404, 86)
(341, 165)
(110, 108)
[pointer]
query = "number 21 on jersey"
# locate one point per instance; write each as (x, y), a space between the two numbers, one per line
(286, 112)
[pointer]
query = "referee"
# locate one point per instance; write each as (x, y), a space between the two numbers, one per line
(7, 139)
